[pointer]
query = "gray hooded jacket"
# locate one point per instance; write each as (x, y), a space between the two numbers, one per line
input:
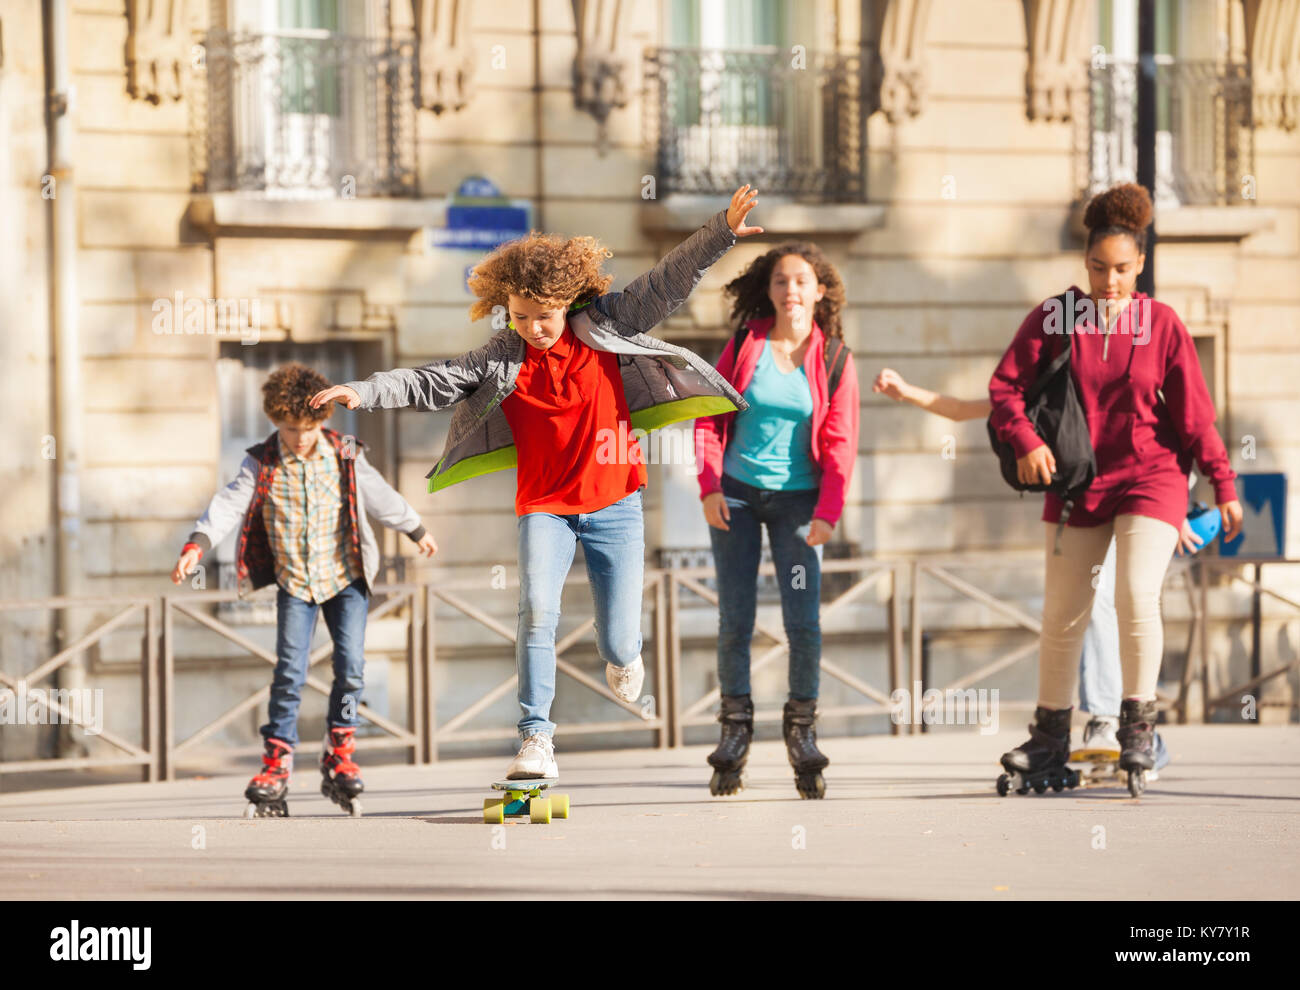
(663, 383)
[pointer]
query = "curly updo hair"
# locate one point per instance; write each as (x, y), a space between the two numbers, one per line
(1122, 209)
(545, 268)
(749, 289)
(286, 391)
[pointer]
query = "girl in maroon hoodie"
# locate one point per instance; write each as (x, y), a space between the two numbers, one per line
(1149, 416)
(785, 462)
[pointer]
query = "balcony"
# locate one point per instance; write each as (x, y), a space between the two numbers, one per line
(719, 118)
(1205, 152)
(305, 115)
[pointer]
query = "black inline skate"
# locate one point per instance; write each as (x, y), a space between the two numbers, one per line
(728, 760)
(340, 777)
(797, 724)
(267, 791)
(1040, 762)
(1137, 730)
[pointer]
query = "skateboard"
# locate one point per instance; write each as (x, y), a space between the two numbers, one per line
(1102, 766)
(524, 797)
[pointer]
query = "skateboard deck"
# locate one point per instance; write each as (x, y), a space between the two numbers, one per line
(1100, 766)
(525, 797)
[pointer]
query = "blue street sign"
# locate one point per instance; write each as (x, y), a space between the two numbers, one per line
(480, 218)
(1263, 507)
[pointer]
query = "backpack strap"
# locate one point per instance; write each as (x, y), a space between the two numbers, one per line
(1055, 365)
(836, 358)
(738, 339)
(835, 362)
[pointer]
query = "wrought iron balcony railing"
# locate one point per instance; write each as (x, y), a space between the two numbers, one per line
(305, 114)
(1205, 149)
(790, 124)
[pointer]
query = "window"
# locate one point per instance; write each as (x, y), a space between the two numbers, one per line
(1204, 137)
(309, 99)
(738, 102)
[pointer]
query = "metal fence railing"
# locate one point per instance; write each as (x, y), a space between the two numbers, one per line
(1205, 147)
(304, 114)
(790, 123)
(898, 583)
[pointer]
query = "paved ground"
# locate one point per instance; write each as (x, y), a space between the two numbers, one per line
(904, 817)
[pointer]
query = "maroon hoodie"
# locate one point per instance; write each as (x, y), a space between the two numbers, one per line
(1144, 446)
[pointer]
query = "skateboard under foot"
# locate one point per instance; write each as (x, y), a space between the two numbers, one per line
(524, 797)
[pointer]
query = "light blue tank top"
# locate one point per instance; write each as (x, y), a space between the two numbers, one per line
(771, 446)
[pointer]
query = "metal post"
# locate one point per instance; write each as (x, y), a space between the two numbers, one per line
(166, 770)
(914, 622)
(428, 702)
(414, 677)
(1256, 617)
(1205, 644)
(895, 641)
(661, 663)
(674, 661)
(1146, 129)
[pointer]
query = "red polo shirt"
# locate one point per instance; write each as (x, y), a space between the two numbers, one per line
(565, 413)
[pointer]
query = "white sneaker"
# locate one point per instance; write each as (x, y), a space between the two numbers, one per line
(535, 759)
(626, 682)
(1099, 739)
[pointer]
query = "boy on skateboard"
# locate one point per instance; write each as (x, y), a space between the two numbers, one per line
(302, 496)
(559, 390)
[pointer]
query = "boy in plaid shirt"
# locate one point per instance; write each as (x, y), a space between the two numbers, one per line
(302, 496)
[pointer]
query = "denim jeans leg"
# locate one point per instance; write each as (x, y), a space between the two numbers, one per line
(799, 577)
(613, 543)
(547, 543)
(1100, 675)
(295, 621)
(736, 554)
(345, 615)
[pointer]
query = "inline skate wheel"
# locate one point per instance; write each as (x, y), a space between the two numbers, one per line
(726, 782)
(810, 785)
(1040, 786)
(1004, 785)
(251, 811)
(1137, 782)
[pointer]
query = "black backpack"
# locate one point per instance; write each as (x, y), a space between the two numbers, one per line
(1053, 406)
(835, 357)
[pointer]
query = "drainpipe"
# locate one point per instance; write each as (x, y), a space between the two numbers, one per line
(67, 352)
(539, 166)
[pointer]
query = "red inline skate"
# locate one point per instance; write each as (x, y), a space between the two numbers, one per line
(340, 777)
(267, 791)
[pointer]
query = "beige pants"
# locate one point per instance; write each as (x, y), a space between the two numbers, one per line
(1143, 547)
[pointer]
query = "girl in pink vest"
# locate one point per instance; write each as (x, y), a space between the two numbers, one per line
(784, 463)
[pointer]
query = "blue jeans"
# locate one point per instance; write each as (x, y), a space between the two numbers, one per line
(1100, 679)
(295, 622)
(613, 542)
(736, 553)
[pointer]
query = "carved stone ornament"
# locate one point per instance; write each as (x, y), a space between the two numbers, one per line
(156, 49)
(446, 58)
(1057, 39)
(598, 73)
(1273, 41)
(897, 28)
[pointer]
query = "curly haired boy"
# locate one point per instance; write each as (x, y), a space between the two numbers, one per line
(302, 496)
(571, 366)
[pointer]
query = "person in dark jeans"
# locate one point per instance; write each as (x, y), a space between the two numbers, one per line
(784, 463)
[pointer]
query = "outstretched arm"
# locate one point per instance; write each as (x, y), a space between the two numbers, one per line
(432, 386)
(651, 298)
(891, 383)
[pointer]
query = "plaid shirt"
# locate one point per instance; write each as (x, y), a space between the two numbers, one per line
(305, 525)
